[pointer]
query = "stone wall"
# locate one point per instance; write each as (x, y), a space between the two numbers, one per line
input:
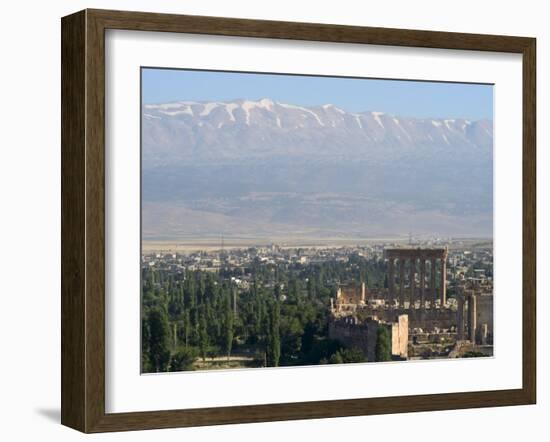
(400, 337)
(350, 333)
(363, 335)
(485, 311)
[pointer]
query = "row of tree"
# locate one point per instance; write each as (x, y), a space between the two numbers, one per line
(281, 318)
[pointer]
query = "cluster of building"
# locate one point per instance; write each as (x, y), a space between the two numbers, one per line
(416, 295)
(243, 258)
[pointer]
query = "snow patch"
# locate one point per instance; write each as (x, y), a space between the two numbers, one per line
(187, 111)
(396, 121)
(303, 109)
(208, 107)
(448, 124)
(247, 105)
(376, 116)
(173, 109)
(332, 106)
(230, 108)
(266, 103)
(167, 106)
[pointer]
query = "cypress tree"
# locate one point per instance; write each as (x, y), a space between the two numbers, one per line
(383, 344)
(229, 325)
(145, 354)
(274, 337)
(159, 339)
(186, 326)
(203, 334)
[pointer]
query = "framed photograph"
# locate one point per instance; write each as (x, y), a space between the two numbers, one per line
(269, 220)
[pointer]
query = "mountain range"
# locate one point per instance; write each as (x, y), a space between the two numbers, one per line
(267, 169)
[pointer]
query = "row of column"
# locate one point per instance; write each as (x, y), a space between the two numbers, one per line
(400, 263)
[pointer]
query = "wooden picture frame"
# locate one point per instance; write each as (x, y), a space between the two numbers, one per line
(83, 220)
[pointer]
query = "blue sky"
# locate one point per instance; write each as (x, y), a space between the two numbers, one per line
(418, 99)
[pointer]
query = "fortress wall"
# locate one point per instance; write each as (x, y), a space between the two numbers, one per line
(355, 336)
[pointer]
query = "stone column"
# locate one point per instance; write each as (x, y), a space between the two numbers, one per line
(412, 273)
(484, 332)
(391, 279)
(401, 282)
(432, 282)
(423, 282)
(472, 318)
(460, 317)
(443, 275)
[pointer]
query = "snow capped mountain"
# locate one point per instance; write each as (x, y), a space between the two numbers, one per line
(211, 131)
(264, 168)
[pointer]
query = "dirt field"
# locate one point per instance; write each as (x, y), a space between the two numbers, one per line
(209, 244)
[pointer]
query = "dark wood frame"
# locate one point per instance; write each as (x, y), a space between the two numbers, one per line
(83, 220)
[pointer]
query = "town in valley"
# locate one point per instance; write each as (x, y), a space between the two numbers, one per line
(286, 305)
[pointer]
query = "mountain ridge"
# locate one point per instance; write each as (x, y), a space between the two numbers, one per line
(265, 163)
(255, 129)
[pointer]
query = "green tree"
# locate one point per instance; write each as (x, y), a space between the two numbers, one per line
(203, 334)
(186, 327)
(352, 355)
(293, 290)
(145, 354)
(229, 326)
(383, 344)
(159, 339)
(190, 292)
(291, 331)
(336, 358)
(311, 292)
(274, 337)
(183, 360)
